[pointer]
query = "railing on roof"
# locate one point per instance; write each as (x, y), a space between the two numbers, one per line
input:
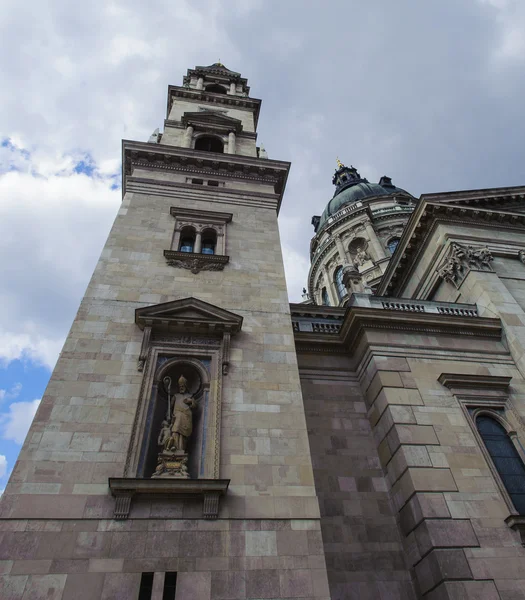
(331, 323)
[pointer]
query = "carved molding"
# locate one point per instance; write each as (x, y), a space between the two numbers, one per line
(462, 259)
(124, 489)
(196, 262)
(144, 348)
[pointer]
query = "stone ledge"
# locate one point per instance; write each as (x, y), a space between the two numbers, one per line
(123, 489)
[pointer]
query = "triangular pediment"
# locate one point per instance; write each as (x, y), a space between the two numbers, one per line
(188, 314)
(211, 118)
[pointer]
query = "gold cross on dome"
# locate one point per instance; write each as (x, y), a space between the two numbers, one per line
(339, 163)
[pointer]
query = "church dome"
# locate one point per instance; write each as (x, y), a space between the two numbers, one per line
(350, 188)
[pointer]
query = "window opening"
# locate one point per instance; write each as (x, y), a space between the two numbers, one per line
(170, 586)
(209, 143)
(338, 278)
(506, 459)
(392, 244)
(324, 297)
(187, 240)
(213, 183)
(198, 181)
(209, 241)
(215, 88)
(146, 586)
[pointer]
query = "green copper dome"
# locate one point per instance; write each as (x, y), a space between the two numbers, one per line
(352, 188)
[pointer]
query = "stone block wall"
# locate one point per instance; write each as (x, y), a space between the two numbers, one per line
(363, 545)
(451, 510)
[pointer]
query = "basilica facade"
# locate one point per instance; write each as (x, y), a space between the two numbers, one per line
(203, 438)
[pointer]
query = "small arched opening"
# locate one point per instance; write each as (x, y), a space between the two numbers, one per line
(216, 88)
(505, 458)
(324, 297)
(209, 241)
(187, 239)
(209, 143)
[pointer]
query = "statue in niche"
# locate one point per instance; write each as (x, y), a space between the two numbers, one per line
(361, 257)
(175, 431)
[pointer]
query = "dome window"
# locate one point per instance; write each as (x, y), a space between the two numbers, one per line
(392, 244)
(338, 279)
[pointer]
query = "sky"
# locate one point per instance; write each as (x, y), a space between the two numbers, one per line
(429, 93)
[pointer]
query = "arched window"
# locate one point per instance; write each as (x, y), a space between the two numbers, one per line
(324, 297)
(505, 458)
(209, 143)
(338, 278)
(187, 240)
(216, 88)
(209, 241)
(392, 245)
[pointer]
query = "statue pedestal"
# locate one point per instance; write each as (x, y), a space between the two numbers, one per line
(172, 464)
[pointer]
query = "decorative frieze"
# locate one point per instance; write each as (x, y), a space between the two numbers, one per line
(196, 262)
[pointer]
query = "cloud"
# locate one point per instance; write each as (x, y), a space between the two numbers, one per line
(15, 423)
(53, 223)
(12, 393)
(427, 93)
(3, 467)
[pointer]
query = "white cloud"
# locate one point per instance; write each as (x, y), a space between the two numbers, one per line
(3, 467)
(12, 393)
(53, 224)
(15, 423)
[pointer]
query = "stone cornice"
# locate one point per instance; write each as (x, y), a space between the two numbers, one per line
(423, 221)
(243, 102)
(164, 157)
(460, 382)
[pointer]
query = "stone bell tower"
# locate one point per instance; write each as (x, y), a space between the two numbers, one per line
(169, 458)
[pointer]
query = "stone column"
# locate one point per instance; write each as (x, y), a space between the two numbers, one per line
(345, 257)
(200, 83)
(231, 142)
(233, 88)
(198, 242)
(188, 135)
(375, 245)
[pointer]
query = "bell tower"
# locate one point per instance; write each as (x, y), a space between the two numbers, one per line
(169, 458)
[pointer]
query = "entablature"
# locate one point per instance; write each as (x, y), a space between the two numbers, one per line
(175, 158)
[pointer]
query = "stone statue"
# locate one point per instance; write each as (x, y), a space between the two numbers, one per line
(361, 256)
(182, 417)
(176, 428)
(164, 438)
